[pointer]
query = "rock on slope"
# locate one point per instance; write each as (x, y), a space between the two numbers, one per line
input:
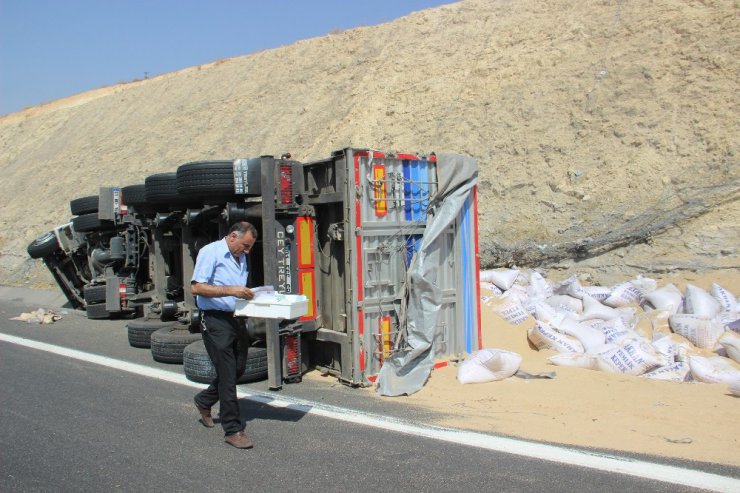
(588, 119)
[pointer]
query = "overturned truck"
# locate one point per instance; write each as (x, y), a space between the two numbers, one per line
(384, 248)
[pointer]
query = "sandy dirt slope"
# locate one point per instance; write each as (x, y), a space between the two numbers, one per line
(585, 118)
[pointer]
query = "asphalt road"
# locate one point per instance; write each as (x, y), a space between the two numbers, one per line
(71, 425)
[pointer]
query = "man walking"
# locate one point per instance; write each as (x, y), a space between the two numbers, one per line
(219, 278)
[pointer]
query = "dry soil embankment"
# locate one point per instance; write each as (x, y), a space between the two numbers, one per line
(586, 118)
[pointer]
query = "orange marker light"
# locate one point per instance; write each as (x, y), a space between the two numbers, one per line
(379, 191)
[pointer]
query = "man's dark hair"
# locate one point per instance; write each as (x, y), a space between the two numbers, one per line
(242, 227)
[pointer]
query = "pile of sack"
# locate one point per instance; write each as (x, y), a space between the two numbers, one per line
(634, 327)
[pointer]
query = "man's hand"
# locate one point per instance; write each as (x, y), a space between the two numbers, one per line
(209, 291)
(245, 293)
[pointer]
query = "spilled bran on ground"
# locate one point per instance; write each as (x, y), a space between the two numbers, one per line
(588, 408)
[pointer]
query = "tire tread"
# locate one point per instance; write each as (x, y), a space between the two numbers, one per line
(168, 343)
(198, 367)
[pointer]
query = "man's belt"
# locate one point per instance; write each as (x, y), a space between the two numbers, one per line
(218, 313)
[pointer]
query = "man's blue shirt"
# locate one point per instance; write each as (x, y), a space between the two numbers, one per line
(216, 266)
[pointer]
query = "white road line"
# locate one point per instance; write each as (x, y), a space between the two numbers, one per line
(601, 462)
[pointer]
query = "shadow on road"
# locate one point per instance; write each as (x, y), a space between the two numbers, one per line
(252, 411)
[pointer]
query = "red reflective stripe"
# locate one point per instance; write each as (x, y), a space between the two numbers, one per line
(358, 257)
(410, 157)
(376, 154)
(358, 224)
(358, 253)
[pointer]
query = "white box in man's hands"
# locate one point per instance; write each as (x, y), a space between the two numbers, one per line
(280, 306)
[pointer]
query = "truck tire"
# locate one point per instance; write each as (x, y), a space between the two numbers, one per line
(206, 178)
(161, 188)
(90, 222)
(94, 294)
(134, 195)
(168, 343)
(44, 245)
(198, 367)
(84, 205)
(140, 331)
(96, 311)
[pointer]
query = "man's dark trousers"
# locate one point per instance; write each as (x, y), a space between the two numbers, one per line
(227, 343)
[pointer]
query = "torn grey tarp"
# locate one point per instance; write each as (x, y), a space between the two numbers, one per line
(406, 371)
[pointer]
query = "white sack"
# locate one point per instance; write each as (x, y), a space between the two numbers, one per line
(518, 293)
(726, 300)
(632, 358)
(595, 309)
(565, 302)
(728, 319)
(645, 284)
(675, 372)
(574, 360)
(629, 315)
(545, 337)
(698, 302)
(735, 389)
(702, 332)
(630, 292)
(713, 369)
(548, 314)
(598, 292)
(667, 298)
(488, 365)
(569, 287)
(616, 331)
(673, 347)
(490, 289)
(539, 288)
(588, 336)
(504, 279)
(624, 294)
(731, 342)
(510, 310)
(529, 305)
